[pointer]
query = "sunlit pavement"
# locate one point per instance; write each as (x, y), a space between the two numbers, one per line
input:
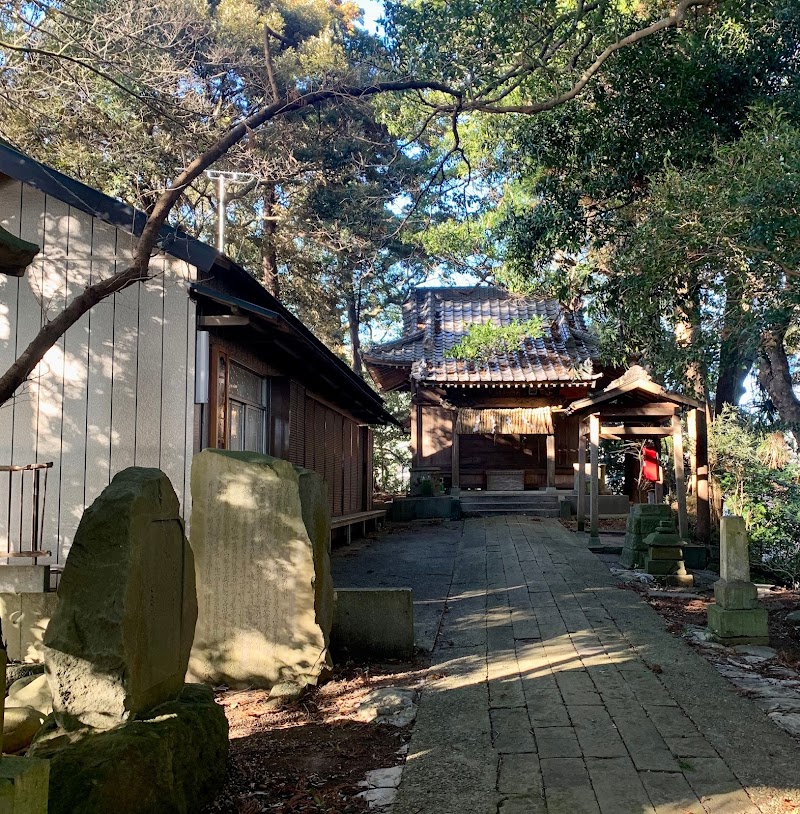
(554, 690)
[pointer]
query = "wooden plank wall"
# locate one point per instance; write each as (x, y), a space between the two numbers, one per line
(117, 390)
(328, 442)
(477, 453)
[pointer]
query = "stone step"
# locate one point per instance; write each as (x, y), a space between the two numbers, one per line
(525, 510)
(544, 504)
(496, 504)
(531, 496)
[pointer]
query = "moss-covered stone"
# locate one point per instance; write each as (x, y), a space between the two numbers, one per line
(732, 627)
(118, 643)
(642, 520)
(23, 785)
(171, 762)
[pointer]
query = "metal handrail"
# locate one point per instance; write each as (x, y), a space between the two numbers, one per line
(38, 506)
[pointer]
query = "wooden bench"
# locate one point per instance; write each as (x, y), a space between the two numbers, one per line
(347, 521)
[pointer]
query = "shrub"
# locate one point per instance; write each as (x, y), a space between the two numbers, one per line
(760, 480)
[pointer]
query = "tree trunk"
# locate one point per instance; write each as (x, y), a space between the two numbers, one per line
(687, 334)
(269, 254)
(775, 377)
(354, 324)
(735, 358)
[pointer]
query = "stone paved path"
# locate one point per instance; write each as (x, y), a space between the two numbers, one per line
(554, 691)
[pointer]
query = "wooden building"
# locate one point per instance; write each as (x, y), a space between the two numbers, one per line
(499, 425)
(635, 407)
(199, 355)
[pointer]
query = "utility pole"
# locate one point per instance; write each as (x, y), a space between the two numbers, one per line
(223, 177)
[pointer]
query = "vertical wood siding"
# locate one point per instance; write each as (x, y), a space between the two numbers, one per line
(327, 442)
(116, 390)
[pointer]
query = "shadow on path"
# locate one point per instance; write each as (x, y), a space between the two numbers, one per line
(552, 690)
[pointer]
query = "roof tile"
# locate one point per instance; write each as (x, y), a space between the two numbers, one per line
(436, 319)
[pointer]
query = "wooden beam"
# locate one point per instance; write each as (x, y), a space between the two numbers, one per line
(551, 463)
(659, 408)
(635, 432)
(581, 481)
(594, 485)
(223, 321)
(703, 528)
(680, 480)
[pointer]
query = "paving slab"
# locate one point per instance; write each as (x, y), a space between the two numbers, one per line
(552, 690)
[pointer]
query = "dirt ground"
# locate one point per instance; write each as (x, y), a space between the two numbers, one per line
(784, 636)
(309, 757)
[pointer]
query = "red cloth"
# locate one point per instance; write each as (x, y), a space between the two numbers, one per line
(650, 465)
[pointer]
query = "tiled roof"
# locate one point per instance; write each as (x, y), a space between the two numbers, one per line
(436, 319)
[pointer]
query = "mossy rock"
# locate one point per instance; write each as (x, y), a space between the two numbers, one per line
(171, 762)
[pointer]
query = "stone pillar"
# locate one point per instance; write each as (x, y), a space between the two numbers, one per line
(594, 485)
(581, 481)
(551, 463)
(735, 616)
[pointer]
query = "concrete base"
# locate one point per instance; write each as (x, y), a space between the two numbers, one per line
(732, 627)
(24, 618)
(17, 579)
(23, 785)
(608, 506)
(736, 595)
(373, 623)
(405, 509)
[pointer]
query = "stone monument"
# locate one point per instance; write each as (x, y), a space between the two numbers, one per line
(735, 616)
(643, 519)
(119, 640)
(664, 558)
(260, 534)
(127, 735)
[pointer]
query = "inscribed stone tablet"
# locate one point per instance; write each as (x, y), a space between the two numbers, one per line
(734, 554)
(257, 616)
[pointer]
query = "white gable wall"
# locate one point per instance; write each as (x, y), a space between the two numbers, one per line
(116, 391)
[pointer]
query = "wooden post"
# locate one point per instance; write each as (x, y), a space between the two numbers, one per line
(416, 434)
(680, 480)
(582, 477)
(551, 463)
(594, 485)
(703, 528)
(455, 484)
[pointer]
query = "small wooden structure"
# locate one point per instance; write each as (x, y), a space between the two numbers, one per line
(634, 406)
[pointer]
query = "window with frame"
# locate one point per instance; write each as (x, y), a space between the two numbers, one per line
(247, 411)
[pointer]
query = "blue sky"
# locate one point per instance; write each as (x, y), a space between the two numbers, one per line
(373, 11)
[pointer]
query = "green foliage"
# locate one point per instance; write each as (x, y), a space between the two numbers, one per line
(488, 339)
(760, 481)
(392, 447)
